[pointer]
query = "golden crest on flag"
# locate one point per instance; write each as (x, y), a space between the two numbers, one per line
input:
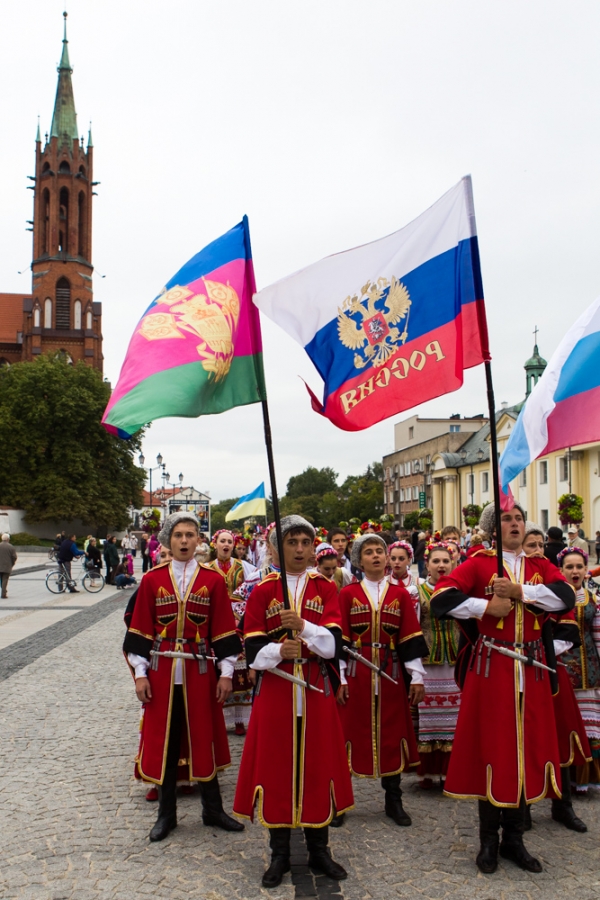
(381, 326)
(213, 317)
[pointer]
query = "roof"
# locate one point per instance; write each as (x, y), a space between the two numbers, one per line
(536, 361)
(11, 316)
(64, 118)
(477, 447)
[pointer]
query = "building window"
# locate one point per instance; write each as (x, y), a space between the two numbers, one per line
(411, 432)
(63, 303)
(407, 468)
(544, 472)
(36, 317)
(470, 487)
(563, 469)
(401, 495)
(63, 216)
(415, 492)
(454, 429)
(485, 482)
(523, 478)
(81, 224)
(46, 221)
(77, 315)
(48, 313)
(544, 521)
(88, 324)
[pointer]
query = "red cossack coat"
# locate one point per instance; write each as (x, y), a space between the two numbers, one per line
(378, 727)
(202, 620)
(506, 743)
(293, 767)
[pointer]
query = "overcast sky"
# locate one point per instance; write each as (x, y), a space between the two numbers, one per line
(330, 123)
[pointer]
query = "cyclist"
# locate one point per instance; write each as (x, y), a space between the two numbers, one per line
(67, 552)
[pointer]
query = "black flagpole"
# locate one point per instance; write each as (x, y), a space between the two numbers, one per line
(276, 514)
(483, 336)
(495, 469)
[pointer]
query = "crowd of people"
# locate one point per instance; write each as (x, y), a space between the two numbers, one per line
(487, 685)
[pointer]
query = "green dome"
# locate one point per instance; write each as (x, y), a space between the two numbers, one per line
(536, 360)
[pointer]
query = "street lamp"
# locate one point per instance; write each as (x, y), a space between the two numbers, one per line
(161, 465)
(173, 484)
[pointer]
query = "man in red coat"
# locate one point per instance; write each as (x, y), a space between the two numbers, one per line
(294, 766)
(380, 623)
(182, 627)
(505, 751)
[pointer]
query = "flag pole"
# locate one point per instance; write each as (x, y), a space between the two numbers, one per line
(276, 513)
(495, 467)
(268, 437)
(485, 349)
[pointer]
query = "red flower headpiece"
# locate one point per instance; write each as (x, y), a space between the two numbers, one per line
(404, 545)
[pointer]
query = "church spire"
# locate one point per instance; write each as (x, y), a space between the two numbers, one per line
(64, 119)
(534, 367)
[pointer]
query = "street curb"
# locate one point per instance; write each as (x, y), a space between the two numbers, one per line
(26, 569)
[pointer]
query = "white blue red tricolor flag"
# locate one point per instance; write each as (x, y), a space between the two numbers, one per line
(563, 409)
(393, 323)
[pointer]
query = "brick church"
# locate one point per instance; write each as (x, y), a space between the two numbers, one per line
(59, 315)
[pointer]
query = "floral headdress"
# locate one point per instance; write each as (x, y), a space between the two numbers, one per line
(241, 539)
(568, 550)
(370, 524)
(320, 536)
(436, 545)
(324, 551)
(402, 545)
(213, 540)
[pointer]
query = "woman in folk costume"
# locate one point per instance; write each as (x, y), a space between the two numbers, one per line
(379, 624)
(294, 767)
(583, 662)
(401, 557)
(238, 707)
(327, 564)
(438, 713)
(505, 752)
(573, 744)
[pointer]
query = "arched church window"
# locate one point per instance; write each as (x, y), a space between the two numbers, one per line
(4, 362)
(63, 303)
(88, 319)
(64, 167)
(77, 315)
(48, 313)
(65, 356)
(82, 170)
(81, 224)
(63, 215)
(36, 317)
(46, 221)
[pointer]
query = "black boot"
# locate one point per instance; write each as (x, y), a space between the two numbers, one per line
(338, 821)
(319, 855)
(527, 821)
(489, 823)
(512, 846)
(279, 841)
(212, 807)
(562, 810)
(167, 807)
(393, 800)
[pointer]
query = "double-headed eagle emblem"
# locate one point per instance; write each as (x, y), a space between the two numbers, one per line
(382, 307)
(213, 317)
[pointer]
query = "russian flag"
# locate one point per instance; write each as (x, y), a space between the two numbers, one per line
(563, 408)
(393, 323)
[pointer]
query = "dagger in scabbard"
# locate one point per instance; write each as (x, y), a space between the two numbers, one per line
(360, 658)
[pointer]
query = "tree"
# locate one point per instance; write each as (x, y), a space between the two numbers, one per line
(58, 460)
(312, 482)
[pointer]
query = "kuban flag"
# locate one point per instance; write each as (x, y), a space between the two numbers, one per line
(393, 323)
(253, 504)
(563, 409)
(197, 349)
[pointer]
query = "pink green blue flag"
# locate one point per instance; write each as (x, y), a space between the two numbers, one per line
(197, 349)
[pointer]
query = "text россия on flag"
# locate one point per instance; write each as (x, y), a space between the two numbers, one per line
(197, 349)
(563, 409)
(393, 323)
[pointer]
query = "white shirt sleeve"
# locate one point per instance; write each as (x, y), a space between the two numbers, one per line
(416, 671)
(268, 657)
(542, 596)
(471, 608)
(343, 665)
(561, 646)
(227, 665)
(139, 663)
(318, 639)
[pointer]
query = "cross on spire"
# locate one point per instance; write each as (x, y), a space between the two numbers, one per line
(535, 334)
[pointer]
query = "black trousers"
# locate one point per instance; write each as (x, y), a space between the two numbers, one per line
(177, 723)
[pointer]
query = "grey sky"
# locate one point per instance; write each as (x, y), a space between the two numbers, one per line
(330, 124)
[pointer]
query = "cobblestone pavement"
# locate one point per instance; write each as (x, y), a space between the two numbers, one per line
(75, 824)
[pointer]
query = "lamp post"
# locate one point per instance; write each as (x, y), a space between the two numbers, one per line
(173, 484)
(161, 465)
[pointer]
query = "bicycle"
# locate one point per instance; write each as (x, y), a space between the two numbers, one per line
(57, 581)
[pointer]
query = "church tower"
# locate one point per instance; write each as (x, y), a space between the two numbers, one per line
(534, 368)
(61, 315)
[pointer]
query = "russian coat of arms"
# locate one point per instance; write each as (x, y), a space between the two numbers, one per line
(212, 317)
(382, 307)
